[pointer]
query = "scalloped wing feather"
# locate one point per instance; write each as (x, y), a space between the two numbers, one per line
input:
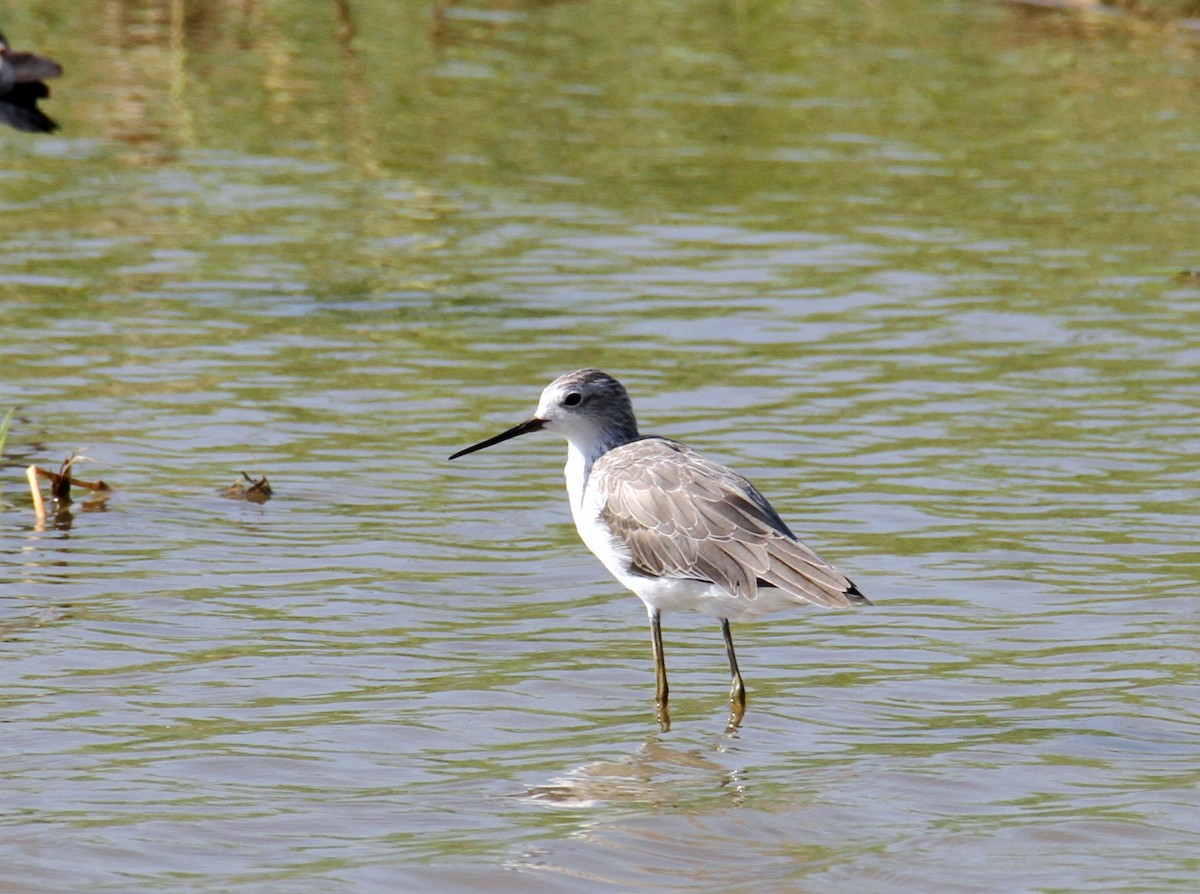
(688, 517)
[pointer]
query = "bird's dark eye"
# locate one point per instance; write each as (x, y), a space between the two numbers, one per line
(572, 399)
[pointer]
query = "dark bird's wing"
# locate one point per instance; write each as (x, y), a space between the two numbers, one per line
(688, 517)
(18, 108)
(27, 68)
(21, 76)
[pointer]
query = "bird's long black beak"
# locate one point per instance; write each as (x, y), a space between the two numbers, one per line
(524, 428)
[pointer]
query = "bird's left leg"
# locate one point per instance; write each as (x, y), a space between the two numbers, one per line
(660, 671)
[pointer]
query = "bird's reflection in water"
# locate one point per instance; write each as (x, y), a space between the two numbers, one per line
(656, 773)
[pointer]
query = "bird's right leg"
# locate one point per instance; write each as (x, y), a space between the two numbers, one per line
(737, 689)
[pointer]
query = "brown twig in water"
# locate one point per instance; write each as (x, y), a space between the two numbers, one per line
(61, 481)
(60, 485)
(258, 492)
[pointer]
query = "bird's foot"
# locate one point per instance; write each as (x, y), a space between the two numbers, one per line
(663, 713)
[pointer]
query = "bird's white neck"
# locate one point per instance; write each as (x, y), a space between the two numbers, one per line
(582, 454)
(576, 471)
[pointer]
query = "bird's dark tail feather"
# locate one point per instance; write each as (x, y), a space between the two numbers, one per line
(855, 596)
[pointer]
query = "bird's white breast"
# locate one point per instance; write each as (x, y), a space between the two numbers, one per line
(585, 510)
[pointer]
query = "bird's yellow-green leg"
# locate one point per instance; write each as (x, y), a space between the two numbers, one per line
(660, 672)
(737, 689)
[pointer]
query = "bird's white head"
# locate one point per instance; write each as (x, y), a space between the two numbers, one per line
(588, 407)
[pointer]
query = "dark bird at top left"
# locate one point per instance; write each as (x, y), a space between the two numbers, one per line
(21, 77)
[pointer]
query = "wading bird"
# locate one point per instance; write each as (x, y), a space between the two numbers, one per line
(679, 530)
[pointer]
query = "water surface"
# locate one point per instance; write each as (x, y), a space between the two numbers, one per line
(912, 268)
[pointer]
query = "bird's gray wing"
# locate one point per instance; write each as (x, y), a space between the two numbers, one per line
(685, 516)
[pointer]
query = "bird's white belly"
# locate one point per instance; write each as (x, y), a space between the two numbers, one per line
(671, 594)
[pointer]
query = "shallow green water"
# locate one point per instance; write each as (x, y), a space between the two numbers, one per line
(911, 267)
